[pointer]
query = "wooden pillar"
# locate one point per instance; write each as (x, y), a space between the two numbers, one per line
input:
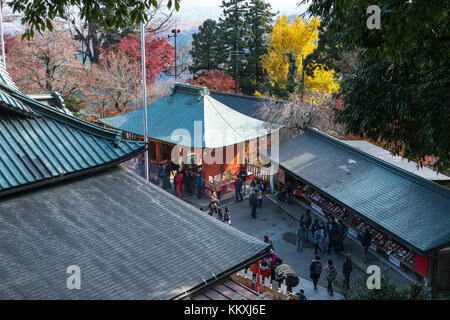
(157, 149)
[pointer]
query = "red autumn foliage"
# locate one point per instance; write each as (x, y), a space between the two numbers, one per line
(215, 80)
(10, 41)
(159, 54)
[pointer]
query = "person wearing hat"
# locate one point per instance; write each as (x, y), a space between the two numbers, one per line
(267, 240)
(347, 269)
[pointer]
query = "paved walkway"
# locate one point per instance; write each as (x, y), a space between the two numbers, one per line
(273, 221)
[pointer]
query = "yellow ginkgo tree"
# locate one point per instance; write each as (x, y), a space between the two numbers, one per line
(298, 38)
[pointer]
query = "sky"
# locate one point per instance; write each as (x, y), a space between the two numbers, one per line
(199, 10)
(192, 12)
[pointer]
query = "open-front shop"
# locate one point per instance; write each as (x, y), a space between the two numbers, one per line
(399, 255)
(407, 216)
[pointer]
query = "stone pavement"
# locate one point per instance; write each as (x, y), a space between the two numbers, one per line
(280, 227)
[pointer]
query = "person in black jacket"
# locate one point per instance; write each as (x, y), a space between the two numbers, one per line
(315, 270)
(340, 228)
(289, 191)
(333, 237)
(243, 175)
(366, 240)
(347, 269)
(238, 189)
(306, 218)
(253, 200)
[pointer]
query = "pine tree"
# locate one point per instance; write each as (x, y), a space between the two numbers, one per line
(233, 32)
(235, 43)
(207, 51)
(259, 19)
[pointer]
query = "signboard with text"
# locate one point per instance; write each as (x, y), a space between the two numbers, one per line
(353, 233)
(394, 261)
(317, 208)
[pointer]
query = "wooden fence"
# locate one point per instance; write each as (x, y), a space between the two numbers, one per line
(259, 172)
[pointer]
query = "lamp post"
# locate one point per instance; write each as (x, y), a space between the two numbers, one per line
(144, 99)
(303, 78)
(236, 54)
(175, 32)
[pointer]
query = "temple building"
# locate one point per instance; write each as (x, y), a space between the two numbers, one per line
(190, 127)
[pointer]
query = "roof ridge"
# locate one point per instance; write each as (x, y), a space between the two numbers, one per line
(384, 164)
(225, 120)
(238, 95)
(189, 88)
(66, 118)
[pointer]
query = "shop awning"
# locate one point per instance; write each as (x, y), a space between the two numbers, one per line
(412, 209)
(130, 239)
(190, 116)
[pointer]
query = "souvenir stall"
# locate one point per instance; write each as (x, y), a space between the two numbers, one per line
(407, 216)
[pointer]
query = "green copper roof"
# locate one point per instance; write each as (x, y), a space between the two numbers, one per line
(190, 116)
(5, 78)
(8, 103)
(52, 146)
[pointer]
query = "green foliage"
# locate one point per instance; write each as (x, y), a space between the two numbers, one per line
(38, 14)
(73, 103)
(259, 20)
(387, 291)
(399, 91)
(207, 52)
(241, 27)
(293, 84)
(233, 34)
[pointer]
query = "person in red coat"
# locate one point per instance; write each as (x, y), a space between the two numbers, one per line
(179, 180)
(265, 270)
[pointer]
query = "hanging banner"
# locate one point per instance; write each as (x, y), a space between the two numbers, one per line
(421, 265)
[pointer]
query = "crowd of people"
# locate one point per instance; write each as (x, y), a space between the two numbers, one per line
(334, 232)
(215, 211)
(184, 181)
(331, 272)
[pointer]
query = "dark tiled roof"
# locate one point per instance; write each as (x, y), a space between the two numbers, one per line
(247, 105)
(131, 240)
(408, 207)
(227, 290)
